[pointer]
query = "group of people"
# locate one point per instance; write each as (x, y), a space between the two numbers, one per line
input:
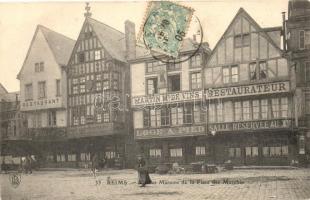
(27, 164)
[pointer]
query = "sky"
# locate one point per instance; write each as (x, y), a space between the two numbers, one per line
(18, 21)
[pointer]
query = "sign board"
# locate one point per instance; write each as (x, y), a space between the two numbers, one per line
(247, 90)
(251, 125)
(167, 98)
(41, 104)
(170, 132)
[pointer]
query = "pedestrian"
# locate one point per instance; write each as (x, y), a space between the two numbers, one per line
(95, 163)
(143, 174)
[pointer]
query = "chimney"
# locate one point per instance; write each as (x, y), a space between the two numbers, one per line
(283, 31)
(130, 40)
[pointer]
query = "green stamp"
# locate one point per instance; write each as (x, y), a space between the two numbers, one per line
(165, 26)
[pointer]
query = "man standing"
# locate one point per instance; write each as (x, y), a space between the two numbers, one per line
(143, 173)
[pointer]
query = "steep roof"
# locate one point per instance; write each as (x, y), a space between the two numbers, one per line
(60, 45)
(3, 90)
(264, 32)
(112, 39)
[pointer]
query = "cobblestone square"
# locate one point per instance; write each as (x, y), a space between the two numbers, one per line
(236, 184)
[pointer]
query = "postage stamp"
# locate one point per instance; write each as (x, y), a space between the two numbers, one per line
(165, 25)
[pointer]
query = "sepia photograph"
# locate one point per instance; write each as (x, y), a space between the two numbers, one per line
(161, 100)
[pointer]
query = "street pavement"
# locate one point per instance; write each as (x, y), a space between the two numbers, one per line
(122, 184)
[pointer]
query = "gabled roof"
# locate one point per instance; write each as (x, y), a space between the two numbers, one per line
(3, 89)
(240, 12)
(60, 45)
(112, 40)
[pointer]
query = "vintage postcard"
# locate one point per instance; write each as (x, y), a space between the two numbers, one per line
(174, 100)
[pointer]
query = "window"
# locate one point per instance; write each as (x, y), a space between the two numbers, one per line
(61, 158)
(82, 88)
(177, 115)
(51, 118)
(75, 120)
(98, 117)
(219, 112)
(110, 154)
(284, 107)
(41, 87)
(304, 39)
(174, 83)
(173, 66)
(195, 61)
(234, 152)
(264, 108)
(71, 157)
(188, 115)
(39, 67)
(165, 116)
(234, 74)
(275, 151)
(253, 71)
(262, 70)
(155, 117)
(307, 70)
(251, 151)
(155, 153)
(152, 86)
(176, 152)
(255, 107)
(58, 87)
(82, 119)
(238, 111)
(81, 57)
(226, 75)
(97, 55)
(154, 66)
(275, 107)
(106, 117)
(98, 86)
(200, 150)
(196, 80)
(75, 90)
(246, 110)
(85, 156)
(198, 114)
(212, 113)
(28, 92)
(242, 40)
(146, 118)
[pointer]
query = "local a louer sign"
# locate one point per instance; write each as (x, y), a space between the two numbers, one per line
(247, 90)
(166, 98)
(169, 132)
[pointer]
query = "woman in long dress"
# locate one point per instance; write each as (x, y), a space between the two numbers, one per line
(143, 174)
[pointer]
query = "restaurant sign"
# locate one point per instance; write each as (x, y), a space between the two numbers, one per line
(246, 90)
(251, 125)
(41, 104)
(167, 98)
(169, 132)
